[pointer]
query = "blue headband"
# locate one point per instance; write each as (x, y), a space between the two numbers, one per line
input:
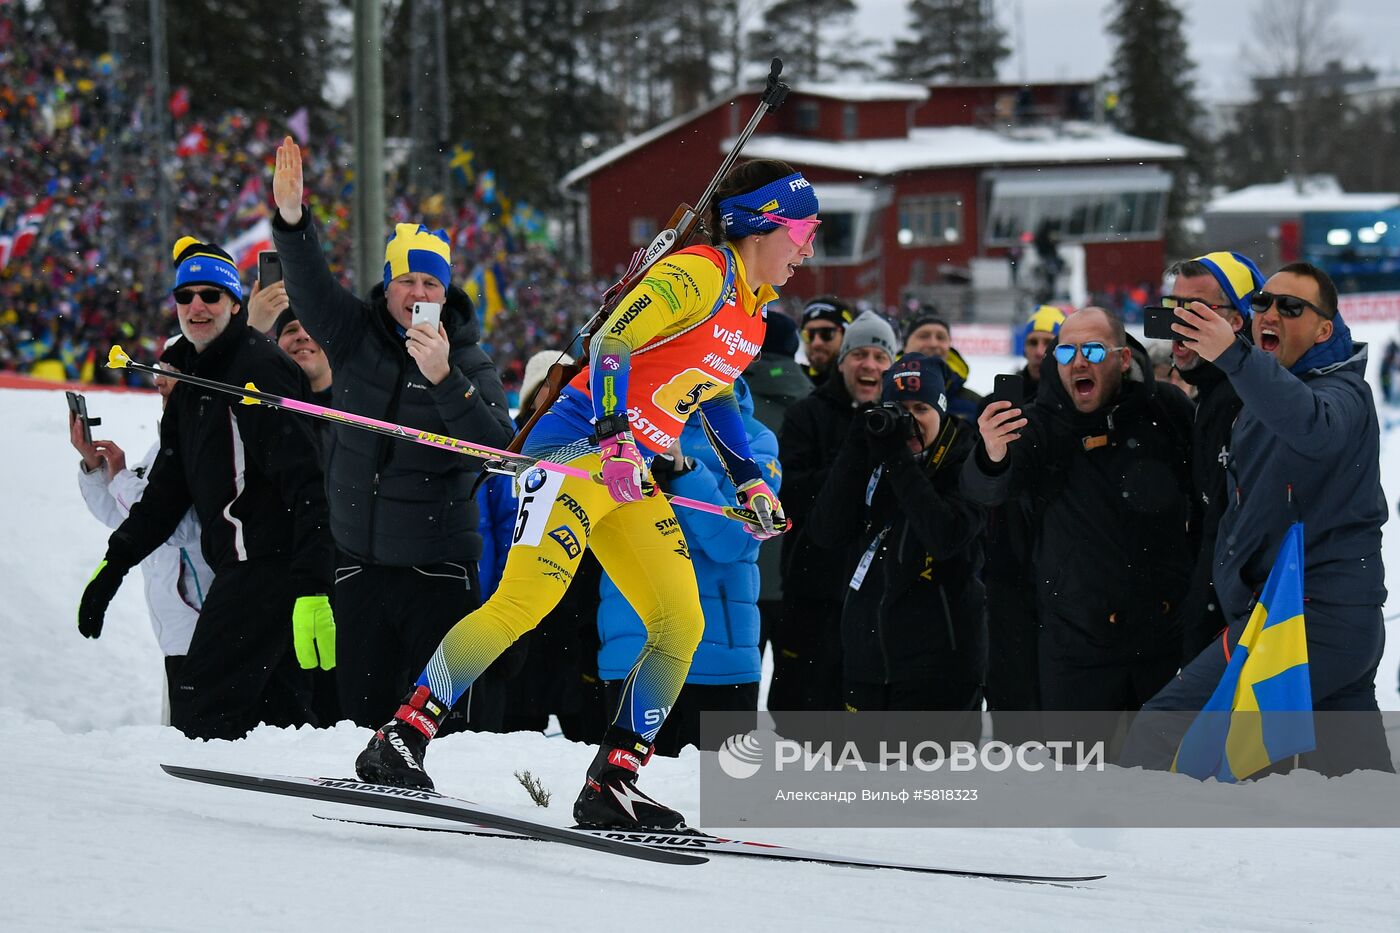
(792, 197)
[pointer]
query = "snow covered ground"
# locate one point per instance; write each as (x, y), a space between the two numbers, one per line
(95, 837)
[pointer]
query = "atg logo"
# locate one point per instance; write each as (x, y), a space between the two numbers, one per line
(740, 756)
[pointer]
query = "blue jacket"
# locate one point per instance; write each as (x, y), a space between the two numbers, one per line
(1314, 438)
(725, 557)
(496, 502)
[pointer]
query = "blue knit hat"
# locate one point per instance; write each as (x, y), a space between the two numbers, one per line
(918, 378)
(199, 263)
(415, 248)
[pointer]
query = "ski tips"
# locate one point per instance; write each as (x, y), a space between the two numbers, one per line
(117, 358)
(248, 400)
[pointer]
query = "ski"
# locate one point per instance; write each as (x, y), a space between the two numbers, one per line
(695, 841)
(426, 803)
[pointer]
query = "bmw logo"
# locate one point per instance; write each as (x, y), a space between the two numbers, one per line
(535, 479)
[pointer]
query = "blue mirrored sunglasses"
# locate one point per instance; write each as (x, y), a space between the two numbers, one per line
(1093, 351)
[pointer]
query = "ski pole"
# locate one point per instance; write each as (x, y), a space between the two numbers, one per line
(497, 461)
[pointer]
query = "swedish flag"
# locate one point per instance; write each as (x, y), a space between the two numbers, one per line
(1262, 710)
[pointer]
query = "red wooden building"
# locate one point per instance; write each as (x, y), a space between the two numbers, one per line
(919, 186)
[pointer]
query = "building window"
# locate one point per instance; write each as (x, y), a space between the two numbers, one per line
(641, 230)
(808, 115)
(930, 220)
(849, 123)
(1088, 217)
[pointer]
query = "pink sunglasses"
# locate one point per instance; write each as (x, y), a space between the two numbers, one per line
(801, 232)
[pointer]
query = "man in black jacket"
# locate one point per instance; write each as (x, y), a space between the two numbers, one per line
(913, 633)
(1105, 455)
(1224, 282)
(252, 476)
(807, 640)
(1013, 625)
(403, 515)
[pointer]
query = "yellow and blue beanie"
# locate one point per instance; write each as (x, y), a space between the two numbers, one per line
(1238, 276)
(1045, 320)
(199, 263)
(415, 248)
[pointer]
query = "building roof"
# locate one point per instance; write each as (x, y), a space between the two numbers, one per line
(864, 90)
(1316, 193)
(952, 146)
(609, 156)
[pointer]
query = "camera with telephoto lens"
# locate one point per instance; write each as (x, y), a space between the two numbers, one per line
(889, 419)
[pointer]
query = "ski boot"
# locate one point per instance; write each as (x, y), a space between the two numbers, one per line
(395, 755)
(610, 799)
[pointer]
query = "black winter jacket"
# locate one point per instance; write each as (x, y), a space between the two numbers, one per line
(1217, 407)
(775, 384)
(393, 502)
(1112, 489)
(920, 601)
(813, 431)
(251, 472)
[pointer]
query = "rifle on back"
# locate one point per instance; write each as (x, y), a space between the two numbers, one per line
(685, 223)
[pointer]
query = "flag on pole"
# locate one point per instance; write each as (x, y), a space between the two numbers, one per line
(300, 125)
(245, 247)
(27, 230)
(193, 142)
(1262, 710)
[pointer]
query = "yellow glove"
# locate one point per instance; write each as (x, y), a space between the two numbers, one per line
(313, 632)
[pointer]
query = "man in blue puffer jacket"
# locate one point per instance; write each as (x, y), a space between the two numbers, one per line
(725, 672)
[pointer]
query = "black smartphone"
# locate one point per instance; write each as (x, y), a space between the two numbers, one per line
(77, 404)
(1157, 321)
(269, 268)
(1009, 388)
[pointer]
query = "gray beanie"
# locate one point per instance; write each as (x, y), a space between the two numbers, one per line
(869, 330)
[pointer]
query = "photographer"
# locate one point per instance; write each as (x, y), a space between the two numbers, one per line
(912, 629)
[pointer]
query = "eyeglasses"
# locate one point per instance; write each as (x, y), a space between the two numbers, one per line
(1288, 305)
(801, 232)
(819, 334)
(1094, 352)
(1173, 301)
(209, 296)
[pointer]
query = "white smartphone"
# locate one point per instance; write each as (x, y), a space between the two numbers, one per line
(427, 312)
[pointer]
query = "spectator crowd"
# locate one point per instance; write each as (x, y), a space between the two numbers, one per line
(1090, 538)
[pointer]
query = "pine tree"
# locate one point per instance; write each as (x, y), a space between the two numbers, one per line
(268, 57)
(814, 38)
(1156, 94)
(953, 40)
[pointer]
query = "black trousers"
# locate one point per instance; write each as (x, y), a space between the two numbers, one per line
(389, 621)
(682, 725)
(1013, 636)
(807, 656)
(1345, 645)
(241, 669)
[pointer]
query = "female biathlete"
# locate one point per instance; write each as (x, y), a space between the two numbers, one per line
(673, 348)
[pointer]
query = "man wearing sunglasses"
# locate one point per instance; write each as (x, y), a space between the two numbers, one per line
(1306, 447)
(252, 476)
(1102, 457)
(1224, 282)
(824, 321)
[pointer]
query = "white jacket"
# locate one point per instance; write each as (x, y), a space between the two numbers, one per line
(177, 576)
